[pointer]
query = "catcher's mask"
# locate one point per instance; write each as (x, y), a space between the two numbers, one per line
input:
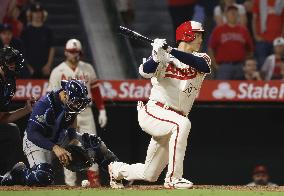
(8, 57)
(77, 95)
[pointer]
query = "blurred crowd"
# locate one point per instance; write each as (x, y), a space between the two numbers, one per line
(244, 38)
(23, 28)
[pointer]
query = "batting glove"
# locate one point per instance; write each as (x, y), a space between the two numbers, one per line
(158, 53)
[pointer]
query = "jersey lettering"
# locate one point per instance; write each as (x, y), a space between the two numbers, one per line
(180, 74)
(83, 77)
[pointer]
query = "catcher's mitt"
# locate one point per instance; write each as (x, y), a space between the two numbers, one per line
(80, 158)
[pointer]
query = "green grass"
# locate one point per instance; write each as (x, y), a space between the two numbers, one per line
(193, 192)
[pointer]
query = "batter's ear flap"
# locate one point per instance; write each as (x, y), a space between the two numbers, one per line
(63, 83)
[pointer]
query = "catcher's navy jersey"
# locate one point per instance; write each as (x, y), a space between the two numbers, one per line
(48, 121)
(7, 90)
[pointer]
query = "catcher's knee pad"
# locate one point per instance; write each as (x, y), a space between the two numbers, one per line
(40, 175)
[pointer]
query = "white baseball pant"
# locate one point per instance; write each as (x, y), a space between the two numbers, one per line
(35, 154)
(169, 131)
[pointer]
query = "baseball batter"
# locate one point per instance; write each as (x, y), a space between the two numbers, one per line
(73, 67)
(176, 76)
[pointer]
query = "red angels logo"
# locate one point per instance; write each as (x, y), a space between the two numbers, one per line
(181, 74)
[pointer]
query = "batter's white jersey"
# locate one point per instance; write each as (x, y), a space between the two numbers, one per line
(84, 71)
(176, 84)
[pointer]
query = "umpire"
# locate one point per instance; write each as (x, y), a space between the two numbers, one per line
(11, 63)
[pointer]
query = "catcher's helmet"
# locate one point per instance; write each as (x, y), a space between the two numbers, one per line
(185, 32)
(77, 95)
(8, 56)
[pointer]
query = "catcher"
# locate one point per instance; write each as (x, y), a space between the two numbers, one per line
(51, 130)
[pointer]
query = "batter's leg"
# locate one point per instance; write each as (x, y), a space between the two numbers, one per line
(177, 148)
(156, 161)
(69, 177)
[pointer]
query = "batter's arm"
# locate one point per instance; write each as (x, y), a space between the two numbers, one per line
(200, 63)
(148, 68)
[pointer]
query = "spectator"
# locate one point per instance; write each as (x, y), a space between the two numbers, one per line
(181, 10)
(220, 16)
(260, 177)
(250, 70)
(12, 19)
(6, 7)
(38, 43)
(208, 23)
(248, 4)
(267, 24)
(272, 67)
(7, 39)
(25, 7)
(229, 46)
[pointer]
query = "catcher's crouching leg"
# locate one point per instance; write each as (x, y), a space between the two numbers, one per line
(38, 175)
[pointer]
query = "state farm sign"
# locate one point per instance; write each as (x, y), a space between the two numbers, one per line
(134, 90)
(129, 90)
(28, 88)
(242, 91)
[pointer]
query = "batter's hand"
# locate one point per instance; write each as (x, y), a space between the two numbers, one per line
(63, 155)
(158, 53)
(102, 118)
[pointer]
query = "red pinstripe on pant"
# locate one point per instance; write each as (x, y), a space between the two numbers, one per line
(169, 121)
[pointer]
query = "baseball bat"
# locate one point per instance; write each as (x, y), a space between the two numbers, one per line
(135, 35)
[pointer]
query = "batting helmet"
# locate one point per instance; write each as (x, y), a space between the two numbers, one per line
(8, 56)
(77, 95)
(185, 32)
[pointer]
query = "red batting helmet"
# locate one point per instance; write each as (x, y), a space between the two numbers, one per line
(185, 32)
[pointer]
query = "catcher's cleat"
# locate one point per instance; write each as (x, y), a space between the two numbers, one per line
(16, 176)
(180, 183)
(115, 184)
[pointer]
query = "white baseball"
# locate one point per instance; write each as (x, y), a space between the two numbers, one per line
(85, 183)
